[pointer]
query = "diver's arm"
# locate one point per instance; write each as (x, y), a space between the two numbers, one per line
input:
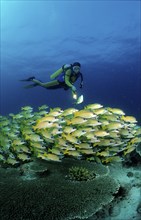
(81, 83)
(68, 83)
(67, 78)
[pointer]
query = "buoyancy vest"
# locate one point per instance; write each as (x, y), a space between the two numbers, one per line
(65, 67)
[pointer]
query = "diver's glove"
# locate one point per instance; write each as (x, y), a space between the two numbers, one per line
(81, 85)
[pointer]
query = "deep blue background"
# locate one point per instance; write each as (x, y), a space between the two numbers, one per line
(38, 37)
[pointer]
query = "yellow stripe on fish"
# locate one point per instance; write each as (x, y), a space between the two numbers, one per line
(116, 111)
(71, 139)
(129, 150)
(83, 146)
(87, 151)
(92, 123)
(72, 153)
(100, 133)
(23, 157)
(113, 126)
(112, 159)
(33, 137)
(100, 111)
(103, 153)
(94, 106)
(69, 111)
(129, 119)
(135, 140)
(76, 121)
(47, 118)
(43, 125)
(84, 114)
(11, 161)
(50, 157)
(68, 129)
(38, 145)
(78, 133)
(47, 134)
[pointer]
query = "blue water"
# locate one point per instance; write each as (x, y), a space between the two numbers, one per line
(38, 37)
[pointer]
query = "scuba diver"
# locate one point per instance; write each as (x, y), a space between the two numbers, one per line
(64, 78)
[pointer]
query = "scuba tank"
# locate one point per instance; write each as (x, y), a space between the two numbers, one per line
(57, 73)
(62, 69)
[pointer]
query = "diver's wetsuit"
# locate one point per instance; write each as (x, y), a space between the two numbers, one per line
(59, 79)
(73, 77)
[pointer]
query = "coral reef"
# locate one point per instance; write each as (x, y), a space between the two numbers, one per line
(53, 196)
(80, 174)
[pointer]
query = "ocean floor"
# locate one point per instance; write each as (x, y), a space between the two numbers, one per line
(128, 205)
(42, 190)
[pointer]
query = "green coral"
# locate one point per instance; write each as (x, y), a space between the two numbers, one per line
(80, 174)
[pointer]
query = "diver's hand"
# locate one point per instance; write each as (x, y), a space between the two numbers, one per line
(74, 95)
(73, 89)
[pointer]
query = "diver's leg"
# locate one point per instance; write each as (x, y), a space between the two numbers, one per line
(47, 84)
(28, 79)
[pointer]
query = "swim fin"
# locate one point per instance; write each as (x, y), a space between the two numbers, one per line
(28, 79)
(31, 86)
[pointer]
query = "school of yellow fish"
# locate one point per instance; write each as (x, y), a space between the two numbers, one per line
(95, 133)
